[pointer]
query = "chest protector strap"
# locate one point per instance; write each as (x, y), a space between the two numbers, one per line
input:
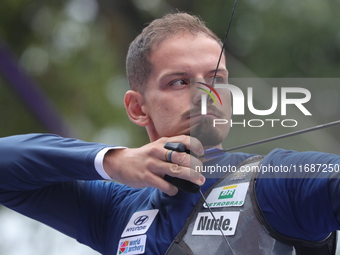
(252, 234)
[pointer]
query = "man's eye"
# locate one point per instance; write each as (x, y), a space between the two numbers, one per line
(220, 80)
(179, 83)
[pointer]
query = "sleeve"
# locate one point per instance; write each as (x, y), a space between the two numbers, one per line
(99, 159)
(48, 178)
(299, 198)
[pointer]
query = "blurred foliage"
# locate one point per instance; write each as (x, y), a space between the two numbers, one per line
(75, 51)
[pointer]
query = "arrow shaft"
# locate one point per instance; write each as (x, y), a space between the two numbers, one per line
(299, 132)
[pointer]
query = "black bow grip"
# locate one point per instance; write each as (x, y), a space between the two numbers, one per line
(180, 183)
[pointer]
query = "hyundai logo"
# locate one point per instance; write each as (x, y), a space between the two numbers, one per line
(141, 220)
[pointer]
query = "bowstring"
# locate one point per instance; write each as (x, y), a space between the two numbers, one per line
(224, 41)
(201, 121)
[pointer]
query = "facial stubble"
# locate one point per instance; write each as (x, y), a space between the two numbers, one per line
(206, 133)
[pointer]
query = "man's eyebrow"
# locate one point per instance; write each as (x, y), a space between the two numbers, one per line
(185, 73)
(223, 70)
(175, 74)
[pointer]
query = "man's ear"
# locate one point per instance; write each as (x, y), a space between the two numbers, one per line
(134, 103)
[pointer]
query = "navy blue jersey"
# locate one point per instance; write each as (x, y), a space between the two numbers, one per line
(53, 180)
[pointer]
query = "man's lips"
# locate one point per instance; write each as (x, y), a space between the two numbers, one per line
(209, 114)
(197, 112)
(214, 114)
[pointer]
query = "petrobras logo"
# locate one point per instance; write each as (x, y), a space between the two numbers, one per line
(227, 196)
(132, 245)
(228, 192)
(206, 224)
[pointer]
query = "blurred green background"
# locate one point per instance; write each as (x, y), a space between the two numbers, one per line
(74, 51)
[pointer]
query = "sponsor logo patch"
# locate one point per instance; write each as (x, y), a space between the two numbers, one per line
(132, 245)
(205, 224)
(232, 195)
(139, 223)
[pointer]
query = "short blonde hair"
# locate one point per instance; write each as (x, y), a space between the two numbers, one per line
(138, 66)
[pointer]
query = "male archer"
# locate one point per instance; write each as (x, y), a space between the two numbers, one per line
(58, 181)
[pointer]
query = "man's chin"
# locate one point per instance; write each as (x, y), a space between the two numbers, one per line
(206, 134)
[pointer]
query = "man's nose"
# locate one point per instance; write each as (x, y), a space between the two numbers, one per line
(199, 92)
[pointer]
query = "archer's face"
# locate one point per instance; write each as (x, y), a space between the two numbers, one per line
(170, 98)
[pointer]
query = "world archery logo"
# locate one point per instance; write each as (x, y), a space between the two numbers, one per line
(123, 247)
(211, 88)
(132, 245)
